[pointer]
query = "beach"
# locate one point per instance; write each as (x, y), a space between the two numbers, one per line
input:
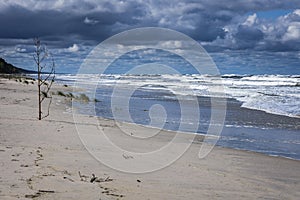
(47, 160)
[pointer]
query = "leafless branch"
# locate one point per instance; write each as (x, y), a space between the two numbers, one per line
(44, 84)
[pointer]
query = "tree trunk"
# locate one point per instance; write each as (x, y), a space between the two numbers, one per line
(39, 93)
(44, 84)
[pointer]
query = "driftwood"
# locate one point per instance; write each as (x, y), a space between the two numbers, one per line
(99, 180)
(47, 191)
(94, 178)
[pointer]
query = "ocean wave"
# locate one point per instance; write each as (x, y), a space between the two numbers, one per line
(277, 94)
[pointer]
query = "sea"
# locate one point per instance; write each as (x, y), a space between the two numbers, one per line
(262, 111)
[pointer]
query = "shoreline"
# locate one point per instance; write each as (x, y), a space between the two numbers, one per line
(243, 128)
(199, 140)
(42, 159)
(236, 81)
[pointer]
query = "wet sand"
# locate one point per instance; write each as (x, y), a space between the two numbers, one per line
(46, 160)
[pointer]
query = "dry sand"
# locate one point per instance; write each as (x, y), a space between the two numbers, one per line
(42, 160)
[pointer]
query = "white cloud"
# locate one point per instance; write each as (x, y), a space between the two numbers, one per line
(297, 12)
(109, 54)
(164, 22)
(20, 50)
(120, 46)
(148, 51)
(293, 32)
(90, 21)
(287, 27)
(171, 44)
(75, 6)
(251, 20)
(74, 48)
(278, 34)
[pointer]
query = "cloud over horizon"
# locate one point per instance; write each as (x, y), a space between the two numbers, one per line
(78, 25)
(204, 20)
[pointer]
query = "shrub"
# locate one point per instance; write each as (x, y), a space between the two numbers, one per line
(83, 97)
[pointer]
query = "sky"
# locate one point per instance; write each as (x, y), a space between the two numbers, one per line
(234, 32)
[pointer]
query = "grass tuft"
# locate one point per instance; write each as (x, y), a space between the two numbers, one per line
(60, 93)
(83, 97)
(96, 100)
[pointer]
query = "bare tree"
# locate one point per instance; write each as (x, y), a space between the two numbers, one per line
(46, 75)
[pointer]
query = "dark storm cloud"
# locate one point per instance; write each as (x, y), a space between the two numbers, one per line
(219, 24)
(248, 37)
(22, 23)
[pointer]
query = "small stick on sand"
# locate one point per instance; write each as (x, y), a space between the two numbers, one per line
(47, 191)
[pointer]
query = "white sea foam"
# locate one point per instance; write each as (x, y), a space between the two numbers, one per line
(279, 94)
